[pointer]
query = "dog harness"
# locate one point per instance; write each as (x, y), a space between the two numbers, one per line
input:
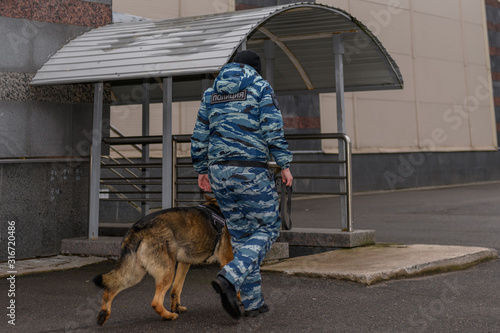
(217, 220)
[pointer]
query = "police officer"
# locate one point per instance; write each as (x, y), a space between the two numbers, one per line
(239, 126)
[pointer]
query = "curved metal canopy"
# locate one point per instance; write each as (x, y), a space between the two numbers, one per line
(192, 48)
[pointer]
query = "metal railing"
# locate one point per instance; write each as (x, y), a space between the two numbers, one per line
(127, 183)
(343, 175)
(185, 190)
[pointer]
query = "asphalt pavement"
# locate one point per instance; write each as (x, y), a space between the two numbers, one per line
(463, 300)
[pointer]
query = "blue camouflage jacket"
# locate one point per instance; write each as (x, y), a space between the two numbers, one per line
(239, 119)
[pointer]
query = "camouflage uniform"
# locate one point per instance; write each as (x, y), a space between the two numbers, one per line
(239, 121)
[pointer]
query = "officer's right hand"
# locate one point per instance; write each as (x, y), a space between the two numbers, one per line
(286, 177)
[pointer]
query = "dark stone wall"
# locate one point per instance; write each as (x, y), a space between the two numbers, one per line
(47, 201)
(44, 129)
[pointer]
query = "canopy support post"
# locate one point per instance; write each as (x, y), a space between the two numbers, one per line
(338, 51)
(269, 58)
(145, 147)
(95, 161)
(167, 158)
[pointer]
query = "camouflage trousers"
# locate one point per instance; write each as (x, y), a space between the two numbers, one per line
(249, 201)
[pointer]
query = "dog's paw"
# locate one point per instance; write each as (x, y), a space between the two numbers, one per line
(178, 309)
(170, 316)
(102, 317)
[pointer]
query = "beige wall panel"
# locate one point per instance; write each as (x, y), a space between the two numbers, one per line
(405, 64)
(203, 7)
(443, 8)
(444, 62)
(328, 116)
(385, 125)
(342, 4)
(156, 118)
(160, 9)
(478, 106)
(180, 120)
(439, 81)
(127, 119)
(441, 127)
(474, 41)
(472, 11)
(347, 4)
(188, 113)
(153, 9)
(405, 4)
(482, 131)
(183, 120)
(479, 86)
(389, 24)
(443, 41)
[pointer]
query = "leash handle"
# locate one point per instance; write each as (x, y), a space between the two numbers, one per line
(286, 206)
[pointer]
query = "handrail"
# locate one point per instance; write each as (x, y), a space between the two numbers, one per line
(345, 165)
(121, 135)
(346, 192)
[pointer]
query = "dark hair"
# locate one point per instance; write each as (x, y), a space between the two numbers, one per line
(248, 57)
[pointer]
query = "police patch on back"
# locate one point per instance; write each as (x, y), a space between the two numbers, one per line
(239, 96)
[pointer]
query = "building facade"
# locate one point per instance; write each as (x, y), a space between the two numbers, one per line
(441, 129)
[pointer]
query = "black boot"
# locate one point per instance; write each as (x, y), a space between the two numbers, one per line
(228, 296)
(254, 313)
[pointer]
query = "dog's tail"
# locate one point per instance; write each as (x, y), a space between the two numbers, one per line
(98, 281)
(126, 272)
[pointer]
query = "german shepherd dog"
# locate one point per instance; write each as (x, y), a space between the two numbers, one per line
(154, 244)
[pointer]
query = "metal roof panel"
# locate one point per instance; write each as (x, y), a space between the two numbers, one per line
(302, 35)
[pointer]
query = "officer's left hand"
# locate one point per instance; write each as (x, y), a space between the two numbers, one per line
(204, 183)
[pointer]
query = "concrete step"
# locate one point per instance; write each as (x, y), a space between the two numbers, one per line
(311, 237)
(111, 234)
(110, 246)
(334, 238)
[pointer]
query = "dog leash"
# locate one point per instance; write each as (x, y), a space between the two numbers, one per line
(286, 206)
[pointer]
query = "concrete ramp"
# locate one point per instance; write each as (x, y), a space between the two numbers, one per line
(372, 264)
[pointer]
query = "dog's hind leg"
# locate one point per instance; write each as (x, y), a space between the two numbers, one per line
(127, 274)
(175, 293)
(105, 311)
(162, 271)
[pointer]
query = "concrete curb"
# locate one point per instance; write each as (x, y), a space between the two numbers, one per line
(49, 264)
(372, 264)
(111, 246)
(327, 237)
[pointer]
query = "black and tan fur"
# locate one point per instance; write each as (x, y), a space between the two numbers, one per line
(154, 245)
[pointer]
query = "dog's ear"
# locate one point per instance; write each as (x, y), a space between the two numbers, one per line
(210, 200)
(207, 198)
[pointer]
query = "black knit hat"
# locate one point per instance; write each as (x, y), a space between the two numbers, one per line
(248, 58)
